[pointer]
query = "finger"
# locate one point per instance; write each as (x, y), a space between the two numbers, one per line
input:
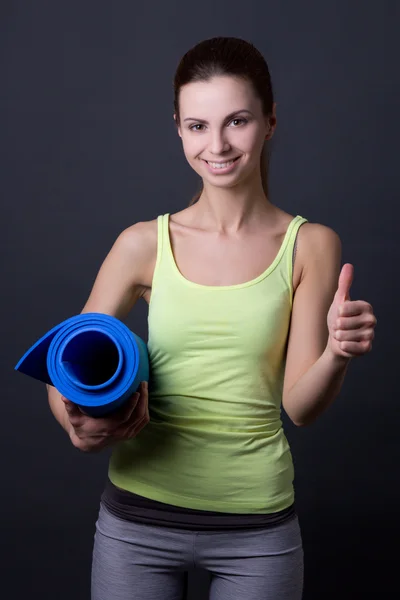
(89, 444)
(137, 427)
(69, 405)
(359, 322)
(107, 425)
(355, 335)
(72, 409)
(128, 409)
(127, 431)
(345, 281)
(139, 418)
(141, 408)
(355, 307)
(66, 401)
(122, 415)
(83, 423)
(356, 348)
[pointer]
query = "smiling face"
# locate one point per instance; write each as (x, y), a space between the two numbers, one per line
(223, 129)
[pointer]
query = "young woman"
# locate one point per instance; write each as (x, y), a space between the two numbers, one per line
(239, 325)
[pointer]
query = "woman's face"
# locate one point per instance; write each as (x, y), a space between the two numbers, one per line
(223, 129)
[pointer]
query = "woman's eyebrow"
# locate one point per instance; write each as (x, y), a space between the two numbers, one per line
(230, 116)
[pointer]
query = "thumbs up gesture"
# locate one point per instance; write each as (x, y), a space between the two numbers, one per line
(351, 324)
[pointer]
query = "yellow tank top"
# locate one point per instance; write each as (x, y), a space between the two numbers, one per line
(217, 356)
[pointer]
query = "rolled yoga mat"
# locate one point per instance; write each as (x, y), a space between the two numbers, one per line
(92, 359)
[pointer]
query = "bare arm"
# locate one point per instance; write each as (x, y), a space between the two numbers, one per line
(313, 377)
(122, 279)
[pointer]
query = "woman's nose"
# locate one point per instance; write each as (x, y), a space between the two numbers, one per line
(219, 144)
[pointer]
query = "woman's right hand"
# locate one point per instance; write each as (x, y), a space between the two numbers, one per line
(91, 434)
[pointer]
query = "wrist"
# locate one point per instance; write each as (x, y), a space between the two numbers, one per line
(336, 360)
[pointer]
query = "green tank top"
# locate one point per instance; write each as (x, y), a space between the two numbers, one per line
(217, 357)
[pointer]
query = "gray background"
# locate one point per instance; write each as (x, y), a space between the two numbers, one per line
(88, 147)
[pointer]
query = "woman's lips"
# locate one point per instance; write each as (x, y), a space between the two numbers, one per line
(223, 170)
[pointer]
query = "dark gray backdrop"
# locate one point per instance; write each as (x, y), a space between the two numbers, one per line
(88, 147)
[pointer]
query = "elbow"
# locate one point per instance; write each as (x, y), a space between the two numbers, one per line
(297, 422)
(293, 419)
(304, 422)
(301, 422)
(297, 419)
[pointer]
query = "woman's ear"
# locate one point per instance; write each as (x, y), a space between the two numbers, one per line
(271, 122)
(177, 126)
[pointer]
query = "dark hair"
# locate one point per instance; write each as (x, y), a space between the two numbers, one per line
(227, 56)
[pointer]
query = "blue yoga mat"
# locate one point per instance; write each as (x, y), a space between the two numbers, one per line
(92, 359)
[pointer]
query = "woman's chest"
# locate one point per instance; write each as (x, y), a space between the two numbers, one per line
(193, 322)
(224, 265)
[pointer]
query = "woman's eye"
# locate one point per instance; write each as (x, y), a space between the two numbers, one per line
(193, 127)
(238, 121)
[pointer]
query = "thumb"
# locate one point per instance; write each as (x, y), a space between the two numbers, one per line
(70, 407)
(67, 402)
(345, 280)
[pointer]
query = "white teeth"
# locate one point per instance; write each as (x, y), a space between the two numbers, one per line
(221, 165)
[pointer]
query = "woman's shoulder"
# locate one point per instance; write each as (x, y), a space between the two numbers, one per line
(140, 232)
(137, 246)
(315, 241)
(316, 235)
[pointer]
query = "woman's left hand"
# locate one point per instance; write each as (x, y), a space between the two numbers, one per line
(351, 324)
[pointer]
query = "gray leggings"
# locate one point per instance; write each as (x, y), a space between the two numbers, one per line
(135, 561)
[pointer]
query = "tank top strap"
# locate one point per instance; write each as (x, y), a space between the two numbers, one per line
(164, 239)
(290, 245)
(291, 234)
(162, 260)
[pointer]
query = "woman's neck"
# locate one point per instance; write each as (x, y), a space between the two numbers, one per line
(227, 210)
